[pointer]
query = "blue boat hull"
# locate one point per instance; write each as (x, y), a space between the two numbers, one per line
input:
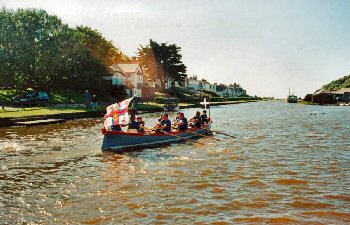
(122, 141)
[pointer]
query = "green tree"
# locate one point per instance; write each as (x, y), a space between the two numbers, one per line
(37, 50)
(162, 62)
(99, 47)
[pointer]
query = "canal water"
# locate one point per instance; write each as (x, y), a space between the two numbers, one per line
(290, 163)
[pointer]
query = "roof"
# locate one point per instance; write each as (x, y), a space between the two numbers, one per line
(343, 90)
(339, 92)
(126, 68)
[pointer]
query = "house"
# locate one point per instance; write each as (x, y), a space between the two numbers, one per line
(344, 95)
(331, 96)
(172, 83)
(130, 75)
(235, 90)
(204, 85)
(222, 90)
(192, 83)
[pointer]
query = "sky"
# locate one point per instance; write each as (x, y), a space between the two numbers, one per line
(267, 46)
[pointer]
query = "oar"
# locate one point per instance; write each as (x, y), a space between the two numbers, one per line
(220, 133)
(185, 139)
(202, 135)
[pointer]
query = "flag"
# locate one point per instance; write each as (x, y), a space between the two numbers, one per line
(117, 113)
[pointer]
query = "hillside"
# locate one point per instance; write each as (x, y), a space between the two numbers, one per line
(335, 85)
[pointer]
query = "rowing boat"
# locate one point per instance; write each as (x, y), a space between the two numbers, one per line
(120, 142)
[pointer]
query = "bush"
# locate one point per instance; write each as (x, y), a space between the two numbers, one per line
(159, 100)
(217, 99)
(210, 93)
(178, 92)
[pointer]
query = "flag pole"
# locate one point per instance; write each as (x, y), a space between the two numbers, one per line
(209, 106)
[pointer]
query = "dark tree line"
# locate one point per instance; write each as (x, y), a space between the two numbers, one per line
(37, 50)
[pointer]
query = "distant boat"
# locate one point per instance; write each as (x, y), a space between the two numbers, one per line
(292, 98)
(171, 104)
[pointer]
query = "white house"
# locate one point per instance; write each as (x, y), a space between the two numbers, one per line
(130, 75)
(170, 82)
(192, 83)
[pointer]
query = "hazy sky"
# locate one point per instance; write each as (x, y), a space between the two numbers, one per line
(266, 46)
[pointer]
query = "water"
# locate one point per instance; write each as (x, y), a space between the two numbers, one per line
(289, 164)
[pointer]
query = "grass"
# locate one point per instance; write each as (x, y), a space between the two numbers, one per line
(42, 111)
(64, 97)
(55, 96)
(149, 107)
(307, 103)
(17, 112)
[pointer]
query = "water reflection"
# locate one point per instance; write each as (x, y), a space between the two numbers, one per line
(289, 164)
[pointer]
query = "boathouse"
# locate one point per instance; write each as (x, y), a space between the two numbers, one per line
(331, 96)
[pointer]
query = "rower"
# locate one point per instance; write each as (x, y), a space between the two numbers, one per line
(196, 120)
(141, 124)
(204, 117)
(165, 124)
(176, 120)
(133, 125)
(118, 127)
(182, 124)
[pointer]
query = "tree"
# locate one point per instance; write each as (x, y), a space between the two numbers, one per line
(99, 47)
(162, 62)
(37, 50)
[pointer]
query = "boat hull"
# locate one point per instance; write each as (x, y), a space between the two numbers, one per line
(121, 141)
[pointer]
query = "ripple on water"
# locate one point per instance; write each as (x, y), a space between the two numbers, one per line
(345, 198)
(291, 181)
(285, 167)
(337, 215)
(308, 204)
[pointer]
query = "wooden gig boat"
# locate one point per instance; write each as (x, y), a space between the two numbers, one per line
(119, 142)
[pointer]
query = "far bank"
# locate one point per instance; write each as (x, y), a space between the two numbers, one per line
(13, 115)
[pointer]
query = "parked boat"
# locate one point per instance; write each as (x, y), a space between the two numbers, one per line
(120, 142)
(292, 98)
(171, 104)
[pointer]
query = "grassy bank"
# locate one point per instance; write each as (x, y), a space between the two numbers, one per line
(157, 107)
(43, 111)
(307, 103)
(26, 112)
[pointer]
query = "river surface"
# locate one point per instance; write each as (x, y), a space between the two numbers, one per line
(290, 163)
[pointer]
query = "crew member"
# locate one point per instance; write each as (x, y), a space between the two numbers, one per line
(196, 120)
(182, 124)
(165, 124)
(118, 127)
(176, 120)
(141, 124)
(204, 117)
(133, 124)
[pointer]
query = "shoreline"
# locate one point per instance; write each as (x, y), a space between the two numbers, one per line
(12, 121)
